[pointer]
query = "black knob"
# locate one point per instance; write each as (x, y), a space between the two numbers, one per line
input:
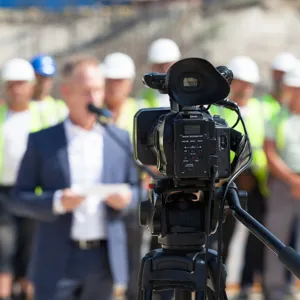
(145, 212)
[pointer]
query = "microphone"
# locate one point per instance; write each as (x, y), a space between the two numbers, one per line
(104, 115)
(226, 73)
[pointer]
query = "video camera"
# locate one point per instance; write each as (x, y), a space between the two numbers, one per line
(185, 141)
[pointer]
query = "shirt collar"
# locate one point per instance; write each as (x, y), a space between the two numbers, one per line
(73, 129)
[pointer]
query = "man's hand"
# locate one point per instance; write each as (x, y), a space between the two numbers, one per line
(70, 200)
(119, 201)
(295, 192)
(295, 181)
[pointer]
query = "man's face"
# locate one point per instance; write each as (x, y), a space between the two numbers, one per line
(277, 77)
(43, 85)
(162, 68)
(293, 96)
(241, 91)
(85, 86)
(18, 92)
(116, 91)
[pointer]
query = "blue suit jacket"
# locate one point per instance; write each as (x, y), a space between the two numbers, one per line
(45, 164)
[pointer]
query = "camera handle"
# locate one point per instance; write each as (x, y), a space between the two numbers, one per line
(287, 255)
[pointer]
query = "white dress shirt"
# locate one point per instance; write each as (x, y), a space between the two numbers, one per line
(16, 129)
(85, 154)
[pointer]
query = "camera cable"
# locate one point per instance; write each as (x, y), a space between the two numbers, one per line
(222, 206)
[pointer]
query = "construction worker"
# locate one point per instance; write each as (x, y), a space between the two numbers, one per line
(52, 111)
(246, 75)
(282, 147)
(275, 101)
(162, 54)
(17, 118)
(119, 73)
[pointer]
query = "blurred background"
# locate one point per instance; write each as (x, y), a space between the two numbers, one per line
(213, 29)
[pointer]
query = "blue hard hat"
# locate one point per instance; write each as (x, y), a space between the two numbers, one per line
(44, 65)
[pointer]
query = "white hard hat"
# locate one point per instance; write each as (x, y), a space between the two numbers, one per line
(244, 68)
(292, 77)
(285, 61)
(118, 66)
(17, 69)
(163, 51)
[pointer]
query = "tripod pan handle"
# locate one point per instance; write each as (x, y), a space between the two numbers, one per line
(291, 259)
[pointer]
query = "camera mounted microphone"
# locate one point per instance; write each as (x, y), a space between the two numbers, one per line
(104, 115)
(228, 75)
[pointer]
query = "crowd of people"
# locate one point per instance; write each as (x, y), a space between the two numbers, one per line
(69, 194)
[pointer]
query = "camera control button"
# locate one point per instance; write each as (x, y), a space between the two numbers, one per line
(223, 141)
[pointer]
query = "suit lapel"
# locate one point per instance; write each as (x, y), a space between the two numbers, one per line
(62, 153)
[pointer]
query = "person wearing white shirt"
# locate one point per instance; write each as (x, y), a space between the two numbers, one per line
(81, 240)
(16, 120)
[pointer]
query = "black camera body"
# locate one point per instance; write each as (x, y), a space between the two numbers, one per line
(185, 141)
(183, 145)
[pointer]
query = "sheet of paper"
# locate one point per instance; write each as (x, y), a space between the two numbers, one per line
(100, 190)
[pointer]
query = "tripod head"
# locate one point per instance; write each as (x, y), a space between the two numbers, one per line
(177, 214)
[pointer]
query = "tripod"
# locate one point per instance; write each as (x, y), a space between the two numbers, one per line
(184, 270)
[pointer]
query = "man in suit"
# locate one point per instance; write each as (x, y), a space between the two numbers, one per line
(80, 249)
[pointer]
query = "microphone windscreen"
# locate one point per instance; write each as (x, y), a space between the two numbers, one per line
(99, 111)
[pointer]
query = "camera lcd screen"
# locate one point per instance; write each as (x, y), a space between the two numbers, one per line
(192, 129)
(190, 82)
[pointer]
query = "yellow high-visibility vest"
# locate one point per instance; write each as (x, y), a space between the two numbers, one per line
(126, 116)
(53, 112)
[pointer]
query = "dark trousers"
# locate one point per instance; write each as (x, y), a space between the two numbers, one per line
(16, 234)
(88, 277)
(253, 257)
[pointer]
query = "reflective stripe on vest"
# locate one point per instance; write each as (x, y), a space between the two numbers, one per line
(34, 126)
